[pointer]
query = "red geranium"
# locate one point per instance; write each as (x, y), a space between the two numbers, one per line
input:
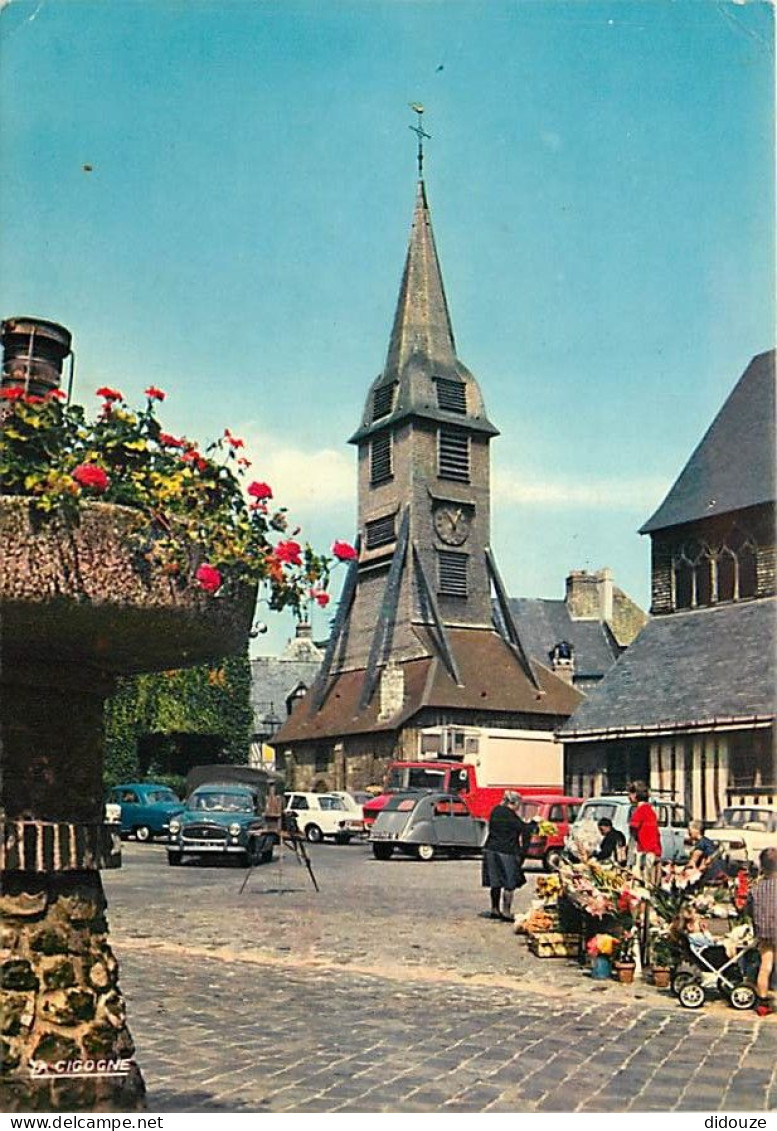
(320, 597)
(56, 395)
(13, 393)
(289, 552)
(109, 394)
(232, 440)
(154, 394)
(90, 475)
(209, 578)
(344, 551)
(259, 491)
(170, 441)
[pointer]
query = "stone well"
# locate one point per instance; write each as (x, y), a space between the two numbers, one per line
(78, 606)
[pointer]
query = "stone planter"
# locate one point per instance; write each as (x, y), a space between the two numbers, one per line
(78, 607)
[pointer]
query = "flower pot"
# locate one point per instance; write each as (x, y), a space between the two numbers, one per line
(625, 972)
(661, 976)
(601, 967)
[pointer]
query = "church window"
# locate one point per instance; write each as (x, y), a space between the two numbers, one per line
(683, 584)
(452, 574)
(380, 458)
(380, 532)
(748, 572)
(727, 568)
(704, 580)
(451, 395)
(453, 455)
(382, 401)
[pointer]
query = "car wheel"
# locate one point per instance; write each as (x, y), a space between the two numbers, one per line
(742, 997)
(174, 858)
(691, 995)
(425, 852)
(343, 838)
(142, 833)
(382, 851)
(551, 860)
(313, 834)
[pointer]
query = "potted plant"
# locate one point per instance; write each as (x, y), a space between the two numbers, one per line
(625, 962)
(664, 957)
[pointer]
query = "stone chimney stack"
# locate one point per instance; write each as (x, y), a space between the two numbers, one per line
(604, 579)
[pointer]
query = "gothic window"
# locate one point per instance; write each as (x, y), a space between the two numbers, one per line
(748, 574)
(451, 395)
(453, 455)
(380, 532)
(383, 401)
(452, 574)
(683, 583)
(727, 569)
(704, 576)
(380, 458)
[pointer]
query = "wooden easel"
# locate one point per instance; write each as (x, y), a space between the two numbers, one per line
(279, 828)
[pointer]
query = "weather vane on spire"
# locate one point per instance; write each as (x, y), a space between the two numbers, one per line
(420, 133)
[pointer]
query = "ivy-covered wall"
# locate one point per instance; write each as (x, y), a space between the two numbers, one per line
(163, 724)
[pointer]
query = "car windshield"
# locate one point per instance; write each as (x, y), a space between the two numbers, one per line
(158, 796)
(739, 818)
(414, 777)
(221, 803)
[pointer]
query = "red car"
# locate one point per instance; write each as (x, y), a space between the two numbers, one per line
(549, 807)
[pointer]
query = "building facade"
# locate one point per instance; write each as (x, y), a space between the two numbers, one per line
(690, 706)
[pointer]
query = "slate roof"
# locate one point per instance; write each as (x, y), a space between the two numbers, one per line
(492, 678)
(542, 624)
(734, 465)
(422, 346)
(686, 671)
(273, 679)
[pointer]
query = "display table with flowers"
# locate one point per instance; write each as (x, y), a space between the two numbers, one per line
(122, 549)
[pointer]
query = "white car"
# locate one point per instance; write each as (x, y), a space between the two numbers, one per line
(322, 815)
(746, 830)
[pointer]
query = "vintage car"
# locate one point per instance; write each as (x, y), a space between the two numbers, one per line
(321, 815)
(222, 820)
(673, 820)
(561, 812)
(745, 830)
(426, 825)
(146, 808)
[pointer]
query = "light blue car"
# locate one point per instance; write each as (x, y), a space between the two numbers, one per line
(146, 809)
(673, 820)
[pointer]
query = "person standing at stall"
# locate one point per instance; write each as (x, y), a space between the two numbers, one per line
(763, 908)
(503, 855)
(643, 826)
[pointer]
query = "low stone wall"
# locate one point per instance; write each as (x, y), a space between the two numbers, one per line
(61, 1011)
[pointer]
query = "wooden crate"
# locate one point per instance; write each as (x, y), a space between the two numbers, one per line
(552, 944)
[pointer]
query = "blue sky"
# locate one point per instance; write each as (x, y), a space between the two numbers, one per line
(601, 179)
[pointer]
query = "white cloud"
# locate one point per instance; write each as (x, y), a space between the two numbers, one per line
(601, 494)
(302, 480)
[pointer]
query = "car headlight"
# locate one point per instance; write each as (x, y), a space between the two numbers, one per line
(234, 829)
(175, 826)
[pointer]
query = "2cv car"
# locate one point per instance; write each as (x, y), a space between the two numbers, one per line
(426, 825)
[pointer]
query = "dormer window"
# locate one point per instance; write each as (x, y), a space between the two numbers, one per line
(383, 401)
(453, 455)
(451, 395)
(380, 458)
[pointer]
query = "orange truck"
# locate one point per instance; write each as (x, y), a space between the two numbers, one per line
(478, 764)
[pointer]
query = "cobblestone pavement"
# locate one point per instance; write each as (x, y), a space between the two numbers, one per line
(390, 992)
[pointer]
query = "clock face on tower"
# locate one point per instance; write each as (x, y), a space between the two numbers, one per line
(452, 524)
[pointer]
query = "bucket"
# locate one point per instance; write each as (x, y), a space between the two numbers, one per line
(601, 967)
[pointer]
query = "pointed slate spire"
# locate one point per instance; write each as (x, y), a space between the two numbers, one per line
(422, 325)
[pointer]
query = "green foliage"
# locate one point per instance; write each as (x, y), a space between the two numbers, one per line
(206, 701)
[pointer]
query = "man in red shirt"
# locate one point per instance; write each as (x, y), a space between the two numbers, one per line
(643, 825)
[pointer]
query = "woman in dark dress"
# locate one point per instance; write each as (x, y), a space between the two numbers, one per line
(503, 854)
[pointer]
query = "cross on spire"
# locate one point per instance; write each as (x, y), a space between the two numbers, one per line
(420, 133)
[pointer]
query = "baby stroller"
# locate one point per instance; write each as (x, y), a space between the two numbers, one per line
(709, 967)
